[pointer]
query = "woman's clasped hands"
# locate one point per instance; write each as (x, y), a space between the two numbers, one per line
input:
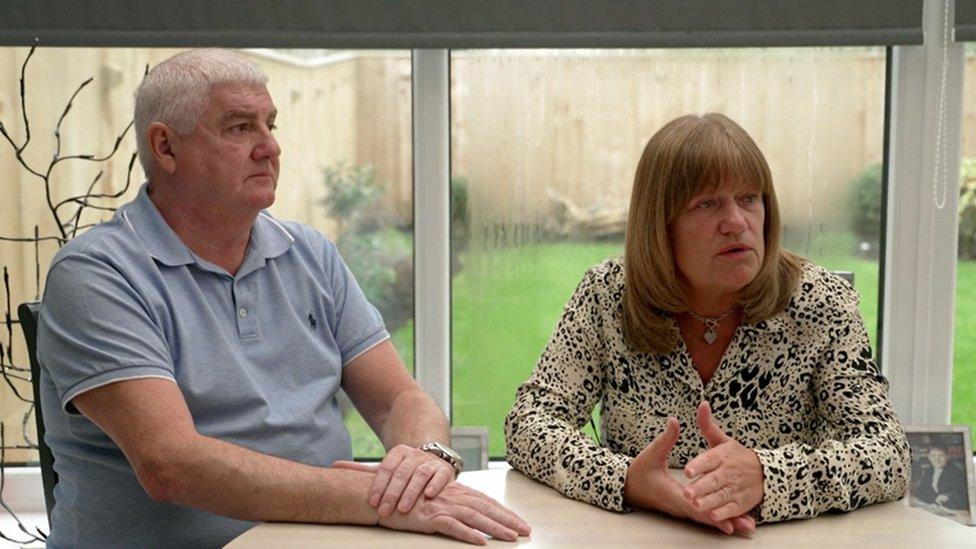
(726, 480)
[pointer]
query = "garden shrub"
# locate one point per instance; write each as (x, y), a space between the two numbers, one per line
(865, 206)
(460, 229)
(378, 253)
(864, 202)
(967, 209)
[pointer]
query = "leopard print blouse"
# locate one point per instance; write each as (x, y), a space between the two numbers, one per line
(801, 389)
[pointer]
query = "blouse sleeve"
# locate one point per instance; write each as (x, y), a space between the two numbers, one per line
(542, 430)
(863, 455)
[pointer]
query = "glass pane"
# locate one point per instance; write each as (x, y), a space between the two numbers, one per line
(544, 148)
(344, 129)
(964, 349)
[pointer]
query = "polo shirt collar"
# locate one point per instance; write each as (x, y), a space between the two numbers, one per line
(156, 235)
(269, 238)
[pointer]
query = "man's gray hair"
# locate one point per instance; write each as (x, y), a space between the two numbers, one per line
(177, 91)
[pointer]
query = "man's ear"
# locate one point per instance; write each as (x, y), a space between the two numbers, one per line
(160, 137)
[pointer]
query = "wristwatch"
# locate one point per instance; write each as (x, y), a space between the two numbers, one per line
(445, 452)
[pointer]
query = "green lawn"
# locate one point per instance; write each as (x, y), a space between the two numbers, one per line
(505, 304)
(964, 349)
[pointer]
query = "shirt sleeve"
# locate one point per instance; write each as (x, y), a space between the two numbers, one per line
(356, 325)
(862, 456)
(542, 430)
(95, 329)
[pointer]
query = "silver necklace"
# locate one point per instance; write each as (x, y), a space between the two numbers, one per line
(711, 322)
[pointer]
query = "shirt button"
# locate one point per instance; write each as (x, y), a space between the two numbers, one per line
(242, 312)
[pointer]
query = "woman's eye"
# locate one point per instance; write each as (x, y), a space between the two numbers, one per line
(751, 198)
(705, 205)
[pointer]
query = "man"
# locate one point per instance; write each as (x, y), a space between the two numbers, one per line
(943, 483)
(192, 347)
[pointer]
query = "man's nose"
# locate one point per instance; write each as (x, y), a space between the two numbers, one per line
(267, 146)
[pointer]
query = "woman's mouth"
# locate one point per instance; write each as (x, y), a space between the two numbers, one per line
(735, 250)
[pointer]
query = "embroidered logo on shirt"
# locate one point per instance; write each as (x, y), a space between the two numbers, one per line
(311, 321)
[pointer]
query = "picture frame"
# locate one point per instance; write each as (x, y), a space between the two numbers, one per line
(472, 444)
(942, 471)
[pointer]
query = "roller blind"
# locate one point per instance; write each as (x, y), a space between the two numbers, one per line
(461, 23)
(965, 21)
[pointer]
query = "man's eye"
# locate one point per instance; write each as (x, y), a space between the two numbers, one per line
(239, 128)
(272, 127)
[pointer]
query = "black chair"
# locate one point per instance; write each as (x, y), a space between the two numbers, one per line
(28, 313)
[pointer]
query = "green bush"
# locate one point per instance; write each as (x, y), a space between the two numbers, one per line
(967, 209)
(379, 255)
(459, 211)
(352, 191)
(381, 261)
(864, 202)
(865, 206)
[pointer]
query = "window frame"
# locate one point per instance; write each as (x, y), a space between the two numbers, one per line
(919, 268)
(920, 239)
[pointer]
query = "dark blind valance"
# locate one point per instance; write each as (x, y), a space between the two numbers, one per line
(461, 23)
(965, 21)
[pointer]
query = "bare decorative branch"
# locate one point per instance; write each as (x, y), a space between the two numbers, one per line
(68, 225)
(39, 536)
(23, 98)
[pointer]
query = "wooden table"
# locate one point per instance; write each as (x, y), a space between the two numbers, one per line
(560, 522)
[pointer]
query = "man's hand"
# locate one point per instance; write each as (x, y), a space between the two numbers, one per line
(403, 474)
(729, 479)
(649, 485)
(456, 511)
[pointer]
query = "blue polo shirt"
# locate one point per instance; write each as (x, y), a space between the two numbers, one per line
(258, 357)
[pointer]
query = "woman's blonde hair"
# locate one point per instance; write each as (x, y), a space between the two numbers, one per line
(685, 157)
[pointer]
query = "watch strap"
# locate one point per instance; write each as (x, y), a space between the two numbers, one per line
(447, 454)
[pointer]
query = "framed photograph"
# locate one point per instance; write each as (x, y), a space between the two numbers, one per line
(472, 444)
(942, 471)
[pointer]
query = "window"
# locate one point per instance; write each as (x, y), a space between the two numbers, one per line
(544, 144)
(344, 128)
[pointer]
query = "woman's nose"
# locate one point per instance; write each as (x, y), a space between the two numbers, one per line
(733, 221)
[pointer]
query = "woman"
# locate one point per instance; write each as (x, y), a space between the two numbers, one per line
(710, 348)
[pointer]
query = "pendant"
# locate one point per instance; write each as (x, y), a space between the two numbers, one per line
(710, 336)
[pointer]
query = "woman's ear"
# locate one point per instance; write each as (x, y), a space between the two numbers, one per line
(159, 137)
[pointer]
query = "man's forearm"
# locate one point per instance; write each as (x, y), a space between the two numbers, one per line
(414, 419)
(229, 480)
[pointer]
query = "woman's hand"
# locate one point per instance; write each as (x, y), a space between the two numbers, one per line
(729, 479)
(649, 485)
